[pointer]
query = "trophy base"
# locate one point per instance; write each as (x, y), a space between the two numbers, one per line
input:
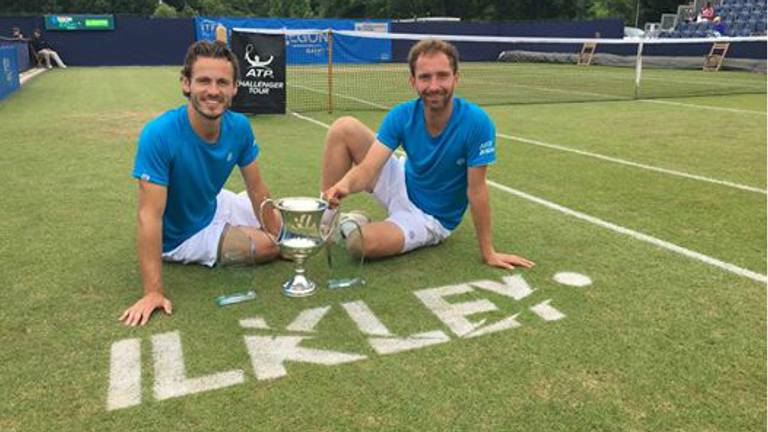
(299, 286)
(345, 282)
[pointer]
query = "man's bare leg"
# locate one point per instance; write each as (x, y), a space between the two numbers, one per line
(346, 143)
(380, 239)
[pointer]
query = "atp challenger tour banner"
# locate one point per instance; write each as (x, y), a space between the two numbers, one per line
(261, 85)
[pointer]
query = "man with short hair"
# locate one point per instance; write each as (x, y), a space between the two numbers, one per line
(44, 50)
(449, 143)
(183, 159)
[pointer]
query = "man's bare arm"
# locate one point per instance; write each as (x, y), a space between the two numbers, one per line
(149, 247)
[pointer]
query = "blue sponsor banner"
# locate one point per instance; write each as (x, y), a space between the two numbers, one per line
(310, 47)
(9, 71)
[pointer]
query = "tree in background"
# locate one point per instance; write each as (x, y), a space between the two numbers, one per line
(43, 7)
(649, 10)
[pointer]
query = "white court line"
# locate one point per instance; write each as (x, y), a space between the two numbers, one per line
(637, 235)
(731, 268)
(29, 74)
(714, 108)
(635, 164)
(352, 98)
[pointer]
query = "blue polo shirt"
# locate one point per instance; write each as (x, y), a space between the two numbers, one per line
(436, 167)
(171, 154)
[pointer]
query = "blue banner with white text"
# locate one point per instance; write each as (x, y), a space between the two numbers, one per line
(310, 47)
(9, 71)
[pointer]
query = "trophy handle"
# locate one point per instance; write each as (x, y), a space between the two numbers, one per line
(261, 219)
(326, 235)
(345, 261)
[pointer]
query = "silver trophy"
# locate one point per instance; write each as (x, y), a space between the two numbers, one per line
(301, 236)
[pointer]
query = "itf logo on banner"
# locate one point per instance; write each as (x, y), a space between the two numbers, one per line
(261, 85)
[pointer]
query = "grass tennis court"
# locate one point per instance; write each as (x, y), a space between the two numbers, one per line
(661, 204)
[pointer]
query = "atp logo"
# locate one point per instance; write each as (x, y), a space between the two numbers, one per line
(257, 68)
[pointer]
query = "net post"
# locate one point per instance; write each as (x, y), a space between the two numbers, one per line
(330, 71)
(638, 68)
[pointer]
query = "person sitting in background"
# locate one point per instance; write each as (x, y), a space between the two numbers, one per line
(43, 49)
(16, 33)
(707, 13)
(719, 28)
(689, 14)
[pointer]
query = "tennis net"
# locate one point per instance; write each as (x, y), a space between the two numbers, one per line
(351, 70)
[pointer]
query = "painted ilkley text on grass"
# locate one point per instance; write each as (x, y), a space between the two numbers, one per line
(269, 353)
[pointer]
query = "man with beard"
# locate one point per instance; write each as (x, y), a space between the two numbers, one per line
(183, 159)
(449, 143)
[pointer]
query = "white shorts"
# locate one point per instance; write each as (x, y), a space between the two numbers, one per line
(203, 247)
(419, 228)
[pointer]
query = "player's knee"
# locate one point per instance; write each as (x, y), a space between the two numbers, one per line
(343, 130)
(345, 124)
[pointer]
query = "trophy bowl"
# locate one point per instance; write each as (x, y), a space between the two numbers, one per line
(300, 237)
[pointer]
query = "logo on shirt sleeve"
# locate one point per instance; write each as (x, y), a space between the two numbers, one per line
(145, 177)
(487, 147)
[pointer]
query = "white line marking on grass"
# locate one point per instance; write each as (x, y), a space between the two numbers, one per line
(547, 312)
(26, 76)
(352, 98)
(308, 319)
(170, 372)
(634, 164)
(365, 320)
(384, 346)
(637, 235)
(731, 268)
(513, 286)
(254, 323)
(454, 315)
(370, 325)
(124, 374)
(311, 120)
(269, 353)
(572, 279)
(714, 108)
